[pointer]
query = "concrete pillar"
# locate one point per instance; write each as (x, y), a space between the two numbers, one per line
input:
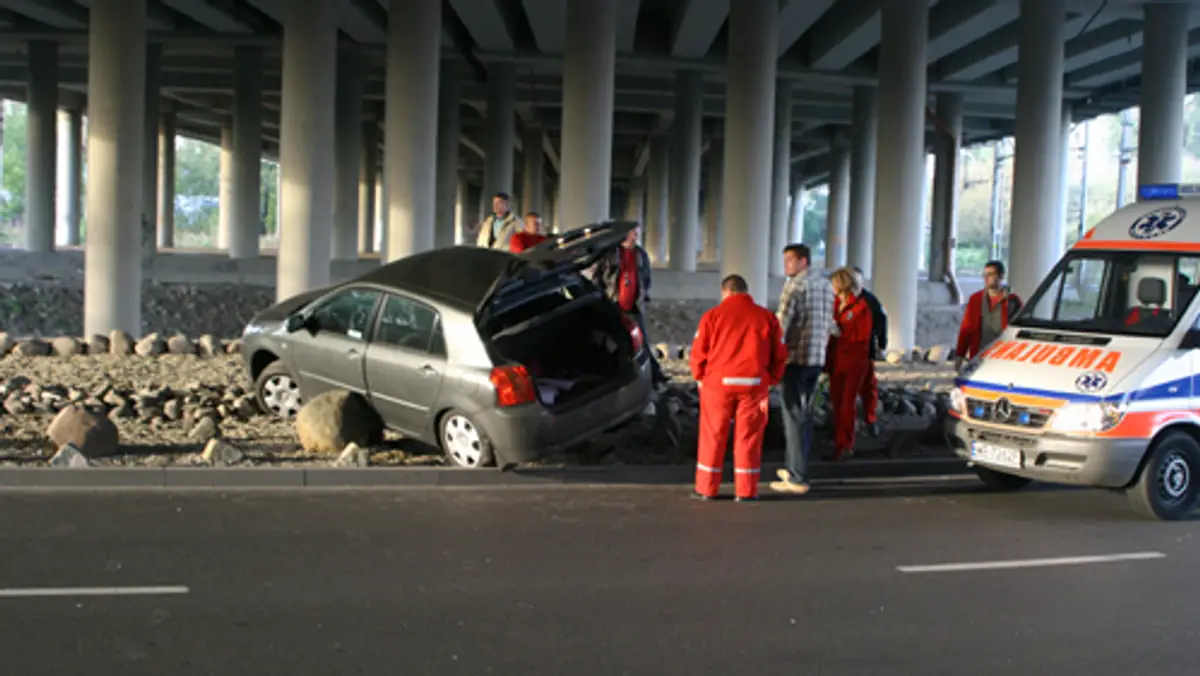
(225, 207)
(712, 200)
(589, 72)
(150, 152)
(533, 157)
(69, 182)
(864, 135)
(112, 298)
(310, 34)
(837, 216)
(367, 178)
(635, 204)
(685, 170)
(1164, 84)
(944, 222)
(749, 141)
(657, 191)
(42, 144)
(381, 215)
(246, 160)
(796, 214)
(166, 179)
(413, 75)
(461, 200)
(1064, 171)
(781, 183)
(900, 165)
(449, 134)
(348, 118)
(1036, 235)
(501, 132)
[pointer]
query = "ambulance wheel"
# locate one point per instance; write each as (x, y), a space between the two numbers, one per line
(999, 481)
(1169, 485)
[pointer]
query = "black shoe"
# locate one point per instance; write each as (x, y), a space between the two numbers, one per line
(702, 497)
(873, 429)
(753, 499)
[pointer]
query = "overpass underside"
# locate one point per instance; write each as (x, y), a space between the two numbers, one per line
(703, 119)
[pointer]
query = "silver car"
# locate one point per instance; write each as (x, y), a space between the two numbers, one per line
(497, 358)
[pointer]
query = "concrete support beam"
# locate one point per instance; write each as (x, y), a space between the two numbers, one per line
(837, 217)
(841, 37)
(501, 134)
(413, 76)
(41, 148)
(449, 129)
(749, 131)
(685, 172)
(225, 207)
(697, 26)
(150, 151)
(781, 175)
(348, 116)
(1164, 85)
(368, 179)
(589, 73)
(712, 200)
(864, 135)
(166, 179)
(657, 190)
(795, 18)
(533, 159)
(246, 156)
(944, 230)
(69, 182)
(306, 153)
(900, 166)
(1036, 236)
(112, 298)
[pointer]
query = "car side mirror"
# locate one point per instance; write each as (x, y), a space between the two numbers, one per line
(295, 322)
(1191, 340)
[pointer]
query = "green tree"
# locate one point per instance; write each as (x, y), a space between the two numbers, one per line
(13, 208)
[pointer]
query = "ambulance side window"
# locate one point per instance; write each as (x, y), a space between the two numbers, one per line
(1186, 282)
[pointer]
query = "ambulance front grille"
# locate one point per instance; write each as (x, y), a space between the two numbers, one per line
(1024, 417)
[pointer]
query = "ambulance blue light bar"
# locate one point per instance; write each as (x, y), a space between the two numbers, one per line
(1168, 191)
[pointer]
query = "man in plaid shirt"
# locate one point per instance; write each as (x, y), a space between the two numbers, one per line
(806, 315)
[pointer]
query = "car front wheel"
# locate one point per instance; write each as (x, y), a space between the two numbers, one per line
(1167, 488)
(277, 391)
(463, 442)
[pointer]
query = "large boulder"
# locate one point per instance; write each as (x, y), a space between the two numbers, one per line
(95, 436)
(330, 421)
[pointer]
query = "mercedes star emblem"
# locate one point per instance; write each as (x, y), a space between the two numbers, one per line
(1002, 410)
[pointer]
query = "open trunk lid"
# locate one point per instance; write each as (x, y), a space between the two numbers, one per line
(572, 251)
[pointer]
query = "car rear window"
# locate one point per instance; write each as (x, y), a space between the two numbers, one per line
(538, 299)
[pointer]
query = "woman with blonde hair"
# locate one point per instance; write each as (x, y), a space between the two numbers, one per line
(849, 356)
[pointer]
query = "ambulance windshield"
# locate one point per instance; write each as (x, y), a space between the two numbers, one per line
(1115, 292)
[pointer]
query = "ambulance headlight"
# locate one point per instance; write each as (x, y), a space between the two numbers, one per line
(958, 400)
(1092, 417)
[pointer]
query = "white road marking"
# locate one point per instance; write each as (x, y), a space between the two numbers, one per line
(34, 592)
(1031, 563)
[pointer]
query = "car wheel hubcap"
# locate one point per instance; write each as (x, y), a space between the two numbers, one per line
(281, 394)
(462, 442)
(1175, 477)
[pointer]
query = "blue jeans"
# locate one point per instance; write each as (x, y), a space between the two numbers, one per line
(799, 385)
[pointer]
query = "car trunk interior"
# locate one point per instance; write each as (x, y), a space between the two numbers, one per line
(573, 349)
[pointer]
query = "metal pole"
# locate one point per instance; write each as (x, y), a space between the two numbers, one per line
(1124, 150)
(997, 158)
(1083, 178)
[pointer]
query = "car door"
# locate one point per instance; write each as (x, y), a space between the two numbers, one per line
(329, 352)
(405, 364)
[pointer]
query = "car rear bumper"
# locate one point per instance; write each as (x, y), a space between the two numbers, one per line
(1104, 463)
(526, 433)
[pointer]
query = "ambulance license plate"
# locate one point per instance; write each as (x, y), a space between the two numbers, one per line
(991, 454)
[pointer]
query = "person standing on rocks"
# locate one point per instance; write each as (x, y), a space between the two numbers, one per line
(869, 394)
(737, 355)
(624, 276)
(987, 314)
(530, 237)
(849, 359)
(805, 316)
(497, 229)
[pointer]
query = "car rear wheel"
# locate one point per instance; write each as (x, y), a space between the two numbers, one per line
(999, 481)
(277, 391)
(463, 442)
(1168, 488)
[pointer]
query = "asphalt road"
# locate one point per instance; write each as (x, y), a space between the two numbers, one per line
(592, 581)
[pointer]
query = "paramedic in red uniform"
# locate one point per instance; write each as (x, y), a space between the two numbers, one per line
(738, 353)
(849, 357)
(987, 314)
(530, 237)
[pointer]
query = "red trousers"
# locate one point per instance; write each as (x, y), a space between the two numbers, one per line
(748, 408)
(869, 393)
(845, 382)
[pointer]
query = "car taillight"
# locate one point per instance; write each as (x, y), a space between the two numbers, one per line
(514, 385)
(635, 333)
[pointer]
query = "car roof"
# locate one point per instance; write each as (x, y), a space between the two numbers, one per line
(459, 277)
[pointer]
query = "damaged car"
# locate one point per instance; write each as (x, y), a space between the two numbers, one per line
(496, 358)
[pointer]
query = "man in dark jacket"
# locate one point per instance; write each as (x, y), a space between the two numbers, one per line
(870, 387)
(624, 276)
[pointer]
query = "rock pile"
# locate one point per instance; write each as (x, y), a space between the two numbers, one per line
(118, 343)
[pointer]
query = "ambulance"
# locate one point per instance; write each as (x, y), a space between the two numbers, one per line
(1096, 380)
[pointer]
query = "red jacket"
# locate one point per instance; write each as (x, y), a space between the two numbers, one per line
(521, 241)
(853, 320)
(739, 344)
(971, 332)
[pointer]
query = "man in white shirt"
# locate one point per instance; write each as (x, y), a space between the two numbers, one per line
(498, 228)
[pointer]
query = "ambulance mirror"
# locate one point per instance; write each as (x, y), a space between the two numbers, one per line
(1191, 340)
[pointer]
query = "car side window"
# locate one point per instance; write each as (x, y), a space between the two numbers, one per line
(348, 313)
(409, 324)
